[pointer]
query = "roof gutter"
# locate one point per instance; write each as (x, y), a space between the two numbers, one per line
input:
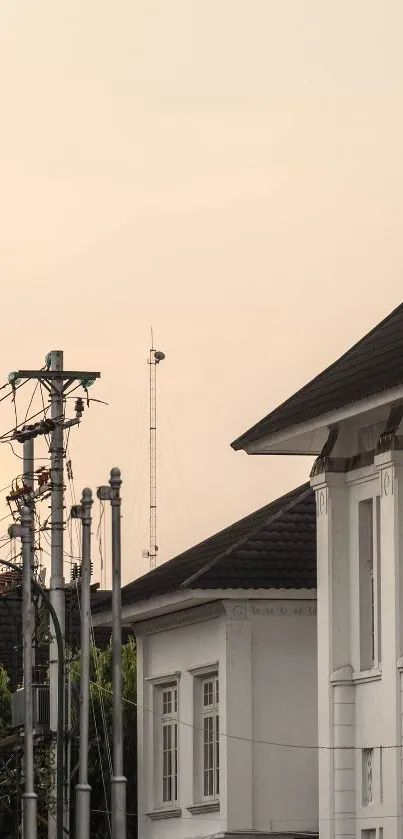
(253, 442)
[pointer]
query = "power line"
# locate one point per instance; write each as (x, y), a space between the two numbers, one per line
(11, 431)
(257, 741)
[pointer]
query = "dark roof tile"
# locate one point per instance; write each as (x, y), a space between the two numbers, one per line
(274, 547)
(372, 365)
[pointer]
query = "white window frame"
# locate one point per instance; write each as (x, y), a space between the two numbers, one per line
(163, 718)
(210, 716)
(169, 740)
(370, 658)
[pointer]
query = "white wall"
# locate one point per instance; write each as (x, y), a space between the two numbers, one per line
(285, 711)
(175, 650)
(268, 691)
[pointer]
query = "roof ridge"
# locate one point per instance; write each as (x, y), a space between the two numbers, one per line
(236, 444)
(228, 551)
(199, 545)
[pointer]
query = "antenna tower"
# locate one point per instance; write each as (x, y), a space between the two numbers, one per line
(154, 359)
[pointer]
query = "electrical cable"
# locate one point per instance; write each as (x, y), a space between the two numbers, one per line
(96, 729)
(13, 389)
(258, 741)
(11, 431)
(31, 400)
(18, 455)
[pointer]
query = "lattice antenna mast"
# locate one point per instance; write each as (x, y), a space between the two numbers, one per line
(154, 359)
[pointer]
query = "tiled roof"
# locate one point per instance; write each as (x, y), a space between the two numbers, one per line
(275, 547)
(369, 367)
(11, 631)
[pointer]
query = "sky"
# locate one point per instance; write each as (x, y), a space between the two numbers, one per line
(227, 171)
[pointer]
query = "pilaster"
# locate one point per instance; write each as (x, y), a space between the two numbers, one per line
(344, 752)
(236, 717)
(390, 469)
(333, 604)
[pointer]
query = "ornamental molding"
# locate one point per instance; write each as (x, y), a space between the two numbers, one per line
(173, 813)
(387, 481)
(204, 670)
(186, 617)
(166, 679)
(322, 496)
(283, 608)
(231, 609)
(204, 807)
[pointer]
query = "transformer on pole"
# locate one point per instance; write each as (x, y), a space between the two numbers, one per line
(154, 359)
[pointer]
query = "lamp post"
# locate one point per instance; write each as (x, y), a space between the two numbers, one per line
(118, 781)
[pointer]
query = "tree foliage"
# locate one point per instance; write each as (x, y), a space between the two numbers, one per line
(101, 746)
(99, 753)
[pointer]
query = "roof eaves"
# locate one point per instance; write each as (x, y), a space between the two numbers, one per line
(242, 541)
(255, 432)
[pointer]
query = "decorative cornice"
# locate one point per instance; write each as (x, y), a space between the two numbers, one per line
(204, 807)
(186, 617)
(342, 465)
(173, 813)
(322, 462)
(389, 440)
(232, 609)
(283, 609)
(165, 679)
(204, 670)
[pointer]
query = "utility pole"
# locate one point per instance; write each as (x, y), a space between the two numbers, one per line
(24, 530)
(118, 781)
(154, 359)
(28, 480)
(57, 382)
(83, 790)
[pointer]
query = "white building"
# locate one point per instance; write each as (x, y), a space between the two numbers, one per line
(227, 681)
(350, 418)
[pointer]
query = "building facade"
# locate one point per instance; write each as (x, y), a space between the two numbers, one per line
(227, 681)
(349, 417)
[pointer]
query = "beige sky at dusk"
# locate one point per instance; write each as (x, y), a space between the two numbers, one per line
(230, 172)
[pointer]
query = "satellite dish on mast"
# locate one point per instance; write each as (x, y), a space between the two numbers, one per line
(159, 356)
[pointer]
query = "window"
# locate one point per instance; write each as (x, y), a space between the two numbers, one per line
(211, 750)
(367, 768)
(369, 581)
(169, 745)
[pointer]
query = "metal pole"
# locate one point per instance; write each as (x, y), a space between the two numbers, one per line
(83, 790)
(57, 593)
(118, 781)
(28, 478)
(29, 796)
(14, 531)
(153, 460)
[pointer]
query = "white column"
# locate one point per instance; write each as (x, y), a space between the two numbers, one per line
(344, 753)
(333, 591)
(236, 718)
(390, 466)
